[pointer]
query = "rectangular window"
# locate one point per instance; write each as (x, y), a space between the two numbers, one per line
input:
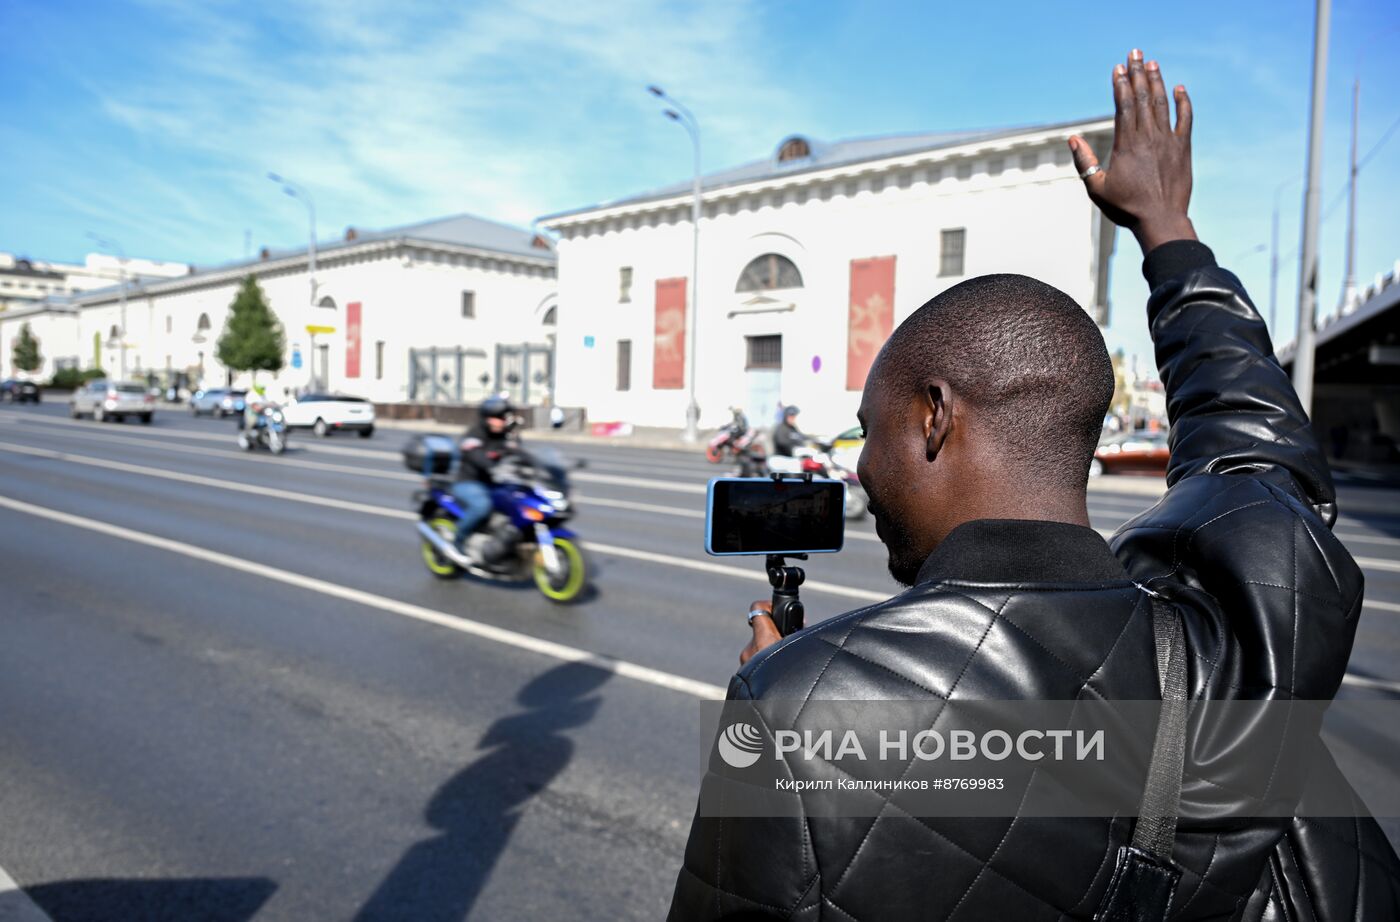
(167, 325)
(964, 170)
(469, 304)
(1030, 160)
(950, 260)
(995, 166)
(624, 280)
(379, 360)
(624, 364)
(764, 352)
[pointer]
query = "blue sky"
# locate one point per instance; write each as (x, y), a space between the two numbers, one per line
(155, 122)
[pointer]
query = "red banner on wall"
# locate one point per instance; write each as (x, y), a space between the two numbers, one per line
(352, 339)
(668, 362)
(871, 316)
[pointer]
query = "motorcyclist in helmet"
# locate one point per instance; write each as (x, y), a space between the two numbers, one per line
(483, 446)
(787, 438)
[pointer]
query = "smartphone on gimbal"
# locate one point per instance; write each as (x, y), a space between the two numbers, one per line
(778, 517)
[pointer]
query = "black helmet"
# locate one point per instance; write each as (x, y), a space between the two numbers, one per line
(790, 411)
(495, 408)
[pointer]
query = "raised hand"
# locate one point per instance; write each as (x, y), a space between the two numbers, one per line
(1147, 186)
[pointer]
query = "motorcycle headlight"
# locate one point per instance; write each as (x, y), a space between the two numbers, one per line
(275, 416)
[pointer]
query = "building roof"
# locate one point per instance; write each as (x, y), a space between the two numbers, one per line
(470, 231)
(828, 155)
(463, 230)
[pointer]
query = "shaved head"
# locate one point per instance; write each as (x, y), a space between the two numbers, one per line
(997, 385)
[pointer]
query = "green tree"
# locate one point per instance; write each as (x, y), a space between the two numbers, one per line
(27, 357)
(252, 339)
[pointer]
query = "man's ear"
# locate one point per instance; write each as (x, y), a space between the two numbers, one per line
(938, 416)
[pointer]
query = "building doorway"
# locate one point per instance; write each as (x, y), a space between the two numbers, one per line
(763, 373)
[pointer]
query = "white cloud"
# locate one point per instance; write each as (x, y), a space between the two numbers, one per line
(398, 111)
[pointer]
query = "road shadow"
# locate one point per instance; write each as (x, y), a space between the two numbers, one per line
(208, 899)
(477, 809)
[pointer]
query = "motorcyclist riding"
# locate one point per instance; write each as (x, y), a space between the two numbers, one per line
(483, 446)
(787, 438)
(253, 404)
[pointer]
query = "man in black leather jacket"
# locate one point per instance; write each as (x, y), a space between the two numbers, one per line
(1014, 596)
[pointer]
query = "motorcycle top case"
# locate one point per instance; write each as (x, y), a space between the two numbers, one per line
(430, 455)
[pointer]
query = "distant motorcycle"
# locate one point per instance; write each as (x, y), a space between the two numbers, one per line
(268, 431)
(523, 538)
(817, 460)
(738, 440)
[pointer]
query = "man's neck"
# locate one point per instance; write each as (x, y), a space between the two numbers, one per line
(1069, 507)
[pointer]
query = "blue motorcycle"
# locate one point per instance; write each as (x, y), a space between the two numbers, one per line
(524, 537)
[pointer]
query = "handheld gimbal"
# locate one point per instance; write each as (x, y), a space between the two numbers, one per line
(789, 614)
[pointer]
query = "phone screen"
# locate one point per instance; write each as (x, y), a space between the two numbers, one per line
(760, 515)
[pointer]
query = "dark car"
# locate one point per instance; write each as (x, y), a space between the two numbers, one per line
(14, 390)
(1131, 453)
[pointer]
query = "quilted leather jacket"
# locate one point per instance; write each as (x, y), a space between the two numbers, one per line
(1240, 544)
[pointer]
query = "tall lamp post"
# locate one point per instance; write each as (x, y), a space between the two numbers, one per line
(683, 116)
(108, 244)
(300, 193)
(1303, 357)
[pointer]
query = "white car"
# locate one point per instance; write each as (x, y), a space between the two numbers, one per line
(327, 413)
(104, 400)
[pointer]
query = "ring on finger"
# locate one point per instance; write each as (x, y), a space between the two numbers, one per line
(1090, 172)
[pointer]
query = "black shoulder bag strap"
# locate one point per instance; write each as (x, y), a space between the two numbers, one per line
(1145, 877)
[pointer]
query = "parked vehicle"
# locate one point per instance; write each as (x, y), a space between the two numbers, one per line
(217, 401)
(738, 440)
(327, 413)
(269, 431)
(104, 400)
(524, 538)
(817, 459)
(13, 390)
(1131, 453)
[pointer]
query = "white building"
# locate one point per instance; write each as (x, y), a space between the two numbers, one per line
(808, 260)
(441, 311)
(25, 281)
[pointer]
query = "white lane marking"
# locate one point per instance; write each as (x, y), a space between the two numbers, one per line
(1367, 682)
(146, 441)
(458, 623)
(15, 904)
(1373, 563)
(463, 625)
(1381, 606)
(234, 486)
(150, 439)
(701, 566)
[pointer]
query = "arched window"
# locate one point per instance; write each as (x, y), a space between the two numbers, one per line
(768, 272)
(326, 302)
(550, 317)
(203, 324)
(794, 148)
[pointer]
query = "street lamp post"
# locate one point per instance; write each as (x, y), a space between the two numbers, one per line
(300, 193)
(686, 119)
(1307, 271)
(121, 296)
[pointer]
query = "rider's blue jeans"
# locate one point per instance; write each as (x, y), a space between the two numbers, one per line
(475, 498)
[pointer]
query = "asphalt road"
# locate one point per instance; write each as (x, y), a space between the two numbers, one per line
(230, 690)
